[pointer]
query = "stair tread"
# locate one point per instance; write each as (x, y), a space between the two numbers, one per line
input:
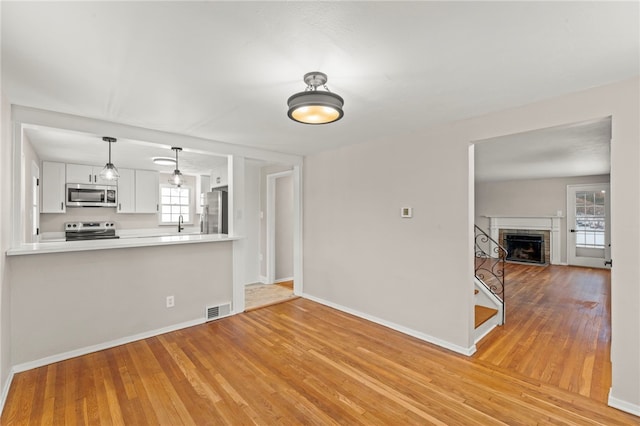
(483, 314)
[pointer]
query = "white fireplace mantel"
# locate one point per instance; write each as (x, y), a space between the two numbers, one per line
(537, 223)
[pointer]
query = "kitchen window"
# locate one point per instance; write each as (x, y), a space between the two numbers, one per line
(173, 203)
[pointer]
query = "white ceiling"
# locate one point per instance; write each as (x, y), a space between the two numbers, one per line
(578, 149)
(81, 148)
(224, 70)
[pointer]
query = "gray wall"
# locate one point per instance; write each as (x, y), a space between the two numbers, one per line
(284, 228)
(532, 197)
(62, 302)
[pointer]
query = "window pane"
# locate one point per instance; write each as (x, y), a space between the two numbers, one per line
(166, 218)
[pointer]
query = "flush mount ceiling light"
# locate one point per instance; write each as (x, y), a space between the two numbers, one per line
(109, 172)
(315, 106)
(164, 161)
(176, 176)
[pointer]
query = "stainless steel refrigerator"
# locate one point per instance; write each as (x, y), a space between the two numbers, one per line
(213, 219)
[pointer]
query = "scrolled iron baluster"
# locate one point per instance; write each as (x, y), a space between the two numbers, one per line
(489, 267)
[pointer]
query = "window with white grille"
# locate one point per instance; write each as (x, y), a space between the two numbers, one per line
(175, 202)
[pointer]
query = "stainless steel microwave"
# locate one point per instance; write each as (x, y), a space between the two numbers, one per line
(78, 195)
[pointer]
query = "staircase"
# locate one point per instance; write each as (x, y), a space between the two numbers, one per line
(490, 258)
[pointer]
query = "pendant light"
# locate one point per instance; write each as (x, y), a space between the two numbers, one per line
(176, 176)
(315, 106)
(109, 172)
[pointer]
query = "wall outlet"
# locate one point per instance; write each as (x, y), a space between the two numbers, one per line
(171, 302)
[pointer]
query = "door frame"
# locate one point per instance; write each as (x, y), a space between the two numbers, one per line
(572, 258)
(270, 260)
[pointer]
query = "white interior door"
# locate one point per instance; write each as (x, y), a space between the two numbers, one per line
(588, 225)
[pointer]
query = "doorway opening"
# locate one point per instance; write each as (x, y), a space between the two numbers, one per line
(525, 180)
(278, 229)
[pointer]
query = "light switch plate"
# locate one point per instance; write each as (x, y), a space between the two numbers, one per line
(406, 212)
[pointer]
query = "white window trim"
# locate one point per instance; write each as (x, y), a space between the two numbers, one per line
(191, 205)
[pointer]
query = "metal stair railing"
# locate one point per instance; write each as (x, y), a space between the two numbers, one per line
(490, 258)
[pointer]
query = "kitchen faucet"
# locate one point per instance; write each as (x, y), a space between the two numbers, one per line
(180, 222)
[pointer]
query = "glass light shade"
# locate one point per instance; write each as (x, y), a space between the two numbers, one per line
(315, 107)
(176, 178)
(109, 172)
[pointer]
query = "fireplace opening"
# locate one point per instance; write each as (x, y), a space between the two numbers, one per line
(525, 248)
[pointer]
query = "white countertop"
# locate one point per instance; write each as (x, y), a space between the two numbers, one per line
(125, 242)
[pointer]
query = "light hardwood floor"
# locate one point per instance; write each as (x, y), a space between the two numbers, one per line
(558, 328)
(257, 296)
(297, 362)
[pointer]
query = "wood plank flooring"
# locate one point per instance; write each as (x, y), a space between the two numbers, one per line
(297, 362)
(257, 296)
(558, 328)
(483, 314)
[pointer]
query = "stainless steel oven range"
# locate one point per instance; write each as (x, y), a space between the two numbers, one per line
(79, 231)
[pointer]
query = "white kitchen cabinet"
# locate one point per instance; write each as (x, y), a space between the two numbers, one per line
(53, 187)
(219, 177)
(138, 191)
(147, 189)
(81, 173)
(203, 185)
(126, 191)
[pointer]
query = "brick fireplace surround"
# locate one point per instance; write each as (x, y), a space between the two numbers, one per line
(549, 226)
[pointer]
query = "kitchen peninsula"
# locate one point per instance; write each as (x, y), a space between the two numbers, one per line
(76, 297)
(144, 241)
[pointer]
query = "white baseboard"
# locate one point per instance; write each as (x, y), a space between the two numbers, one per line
(263, 279)
(402, 329)
(622, 405)
(281, 280)
(101, 346)
(484, 331)
(5, 389)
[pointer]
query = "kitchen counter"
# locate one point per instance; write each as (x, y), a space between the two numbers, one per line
(123, 242)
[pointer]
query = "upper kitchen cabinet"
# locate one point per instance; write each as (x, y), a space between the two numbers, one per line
(126, 191)
(219, 177)
(147, 188)
(80, 173)
(138, 191)
(53, 184)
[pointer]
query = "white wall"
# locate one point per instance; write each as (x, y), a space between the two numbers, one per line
(252, 225)
(28, 156)
(417, 273)
(6, 208)
(528, 197)
(284, 228)
(264, 172)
